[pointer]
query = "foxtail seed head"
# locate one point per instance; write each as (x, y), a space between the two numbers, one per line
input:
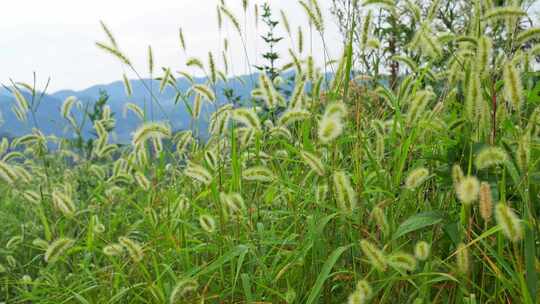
(330, 128)
(402, 261)
(142, 181)
(346, 196)
(182, 288)
(338, 109)
(313, 162)
(205, 92)
(63, 202)
(416, 177)
(363, 287)
(113, 250)
(356, 298)
(486, 202)
(474, 97)
(361, 294)
(40, 243)
(14, 242)
(133, 248)
(233, 202)
(211, 159)
(513, 89)
(490, 156)
(247, 117)
(293, 115)
(198, 173)
(380, 218)
(150, 130)
(457, 175)
(462, 258)
(321, 193)
(509, 222)
(375, 255)
(258, 173)
(297, 97)
(503, 12)
(268, 91)
(57, 248)
(483, 52)
(523, 152)
(467, 190)
(7, 173)
(422, 250)
(207, 223)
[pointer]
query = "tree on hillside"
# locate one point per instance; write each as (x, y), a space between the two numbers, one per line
(388, 34)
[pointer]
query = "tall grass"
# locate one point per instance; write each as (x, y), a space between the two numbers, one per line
(351, 191)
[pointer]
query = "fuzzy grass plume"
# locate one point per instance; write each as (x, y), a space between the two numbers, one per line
(467, 190)
(509, 222)
(57, 249)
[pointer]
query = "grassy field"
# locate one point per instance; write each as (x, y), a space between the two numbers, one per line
(350, 188)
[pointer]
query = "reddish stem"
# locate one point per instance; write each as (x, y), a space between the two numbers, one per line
(494, 118)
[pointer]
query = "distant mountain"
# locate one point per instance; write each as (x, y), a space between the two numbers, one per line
(48, 117)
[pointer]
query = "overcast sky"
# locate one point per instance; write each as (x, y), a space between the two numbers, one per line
(56, 37)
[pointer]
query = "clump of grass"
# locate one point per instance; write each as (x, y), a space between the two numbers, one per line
(328, 171)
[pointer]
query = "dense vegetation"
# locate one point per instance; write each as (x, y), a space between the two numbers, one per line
(405, 171)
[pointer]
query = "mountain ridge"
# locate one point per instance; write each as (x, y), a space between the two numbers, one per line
(51, 123)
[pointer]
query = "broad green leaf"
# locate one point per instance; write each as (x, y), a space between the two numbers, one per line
(417, 222)
(324, 274)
